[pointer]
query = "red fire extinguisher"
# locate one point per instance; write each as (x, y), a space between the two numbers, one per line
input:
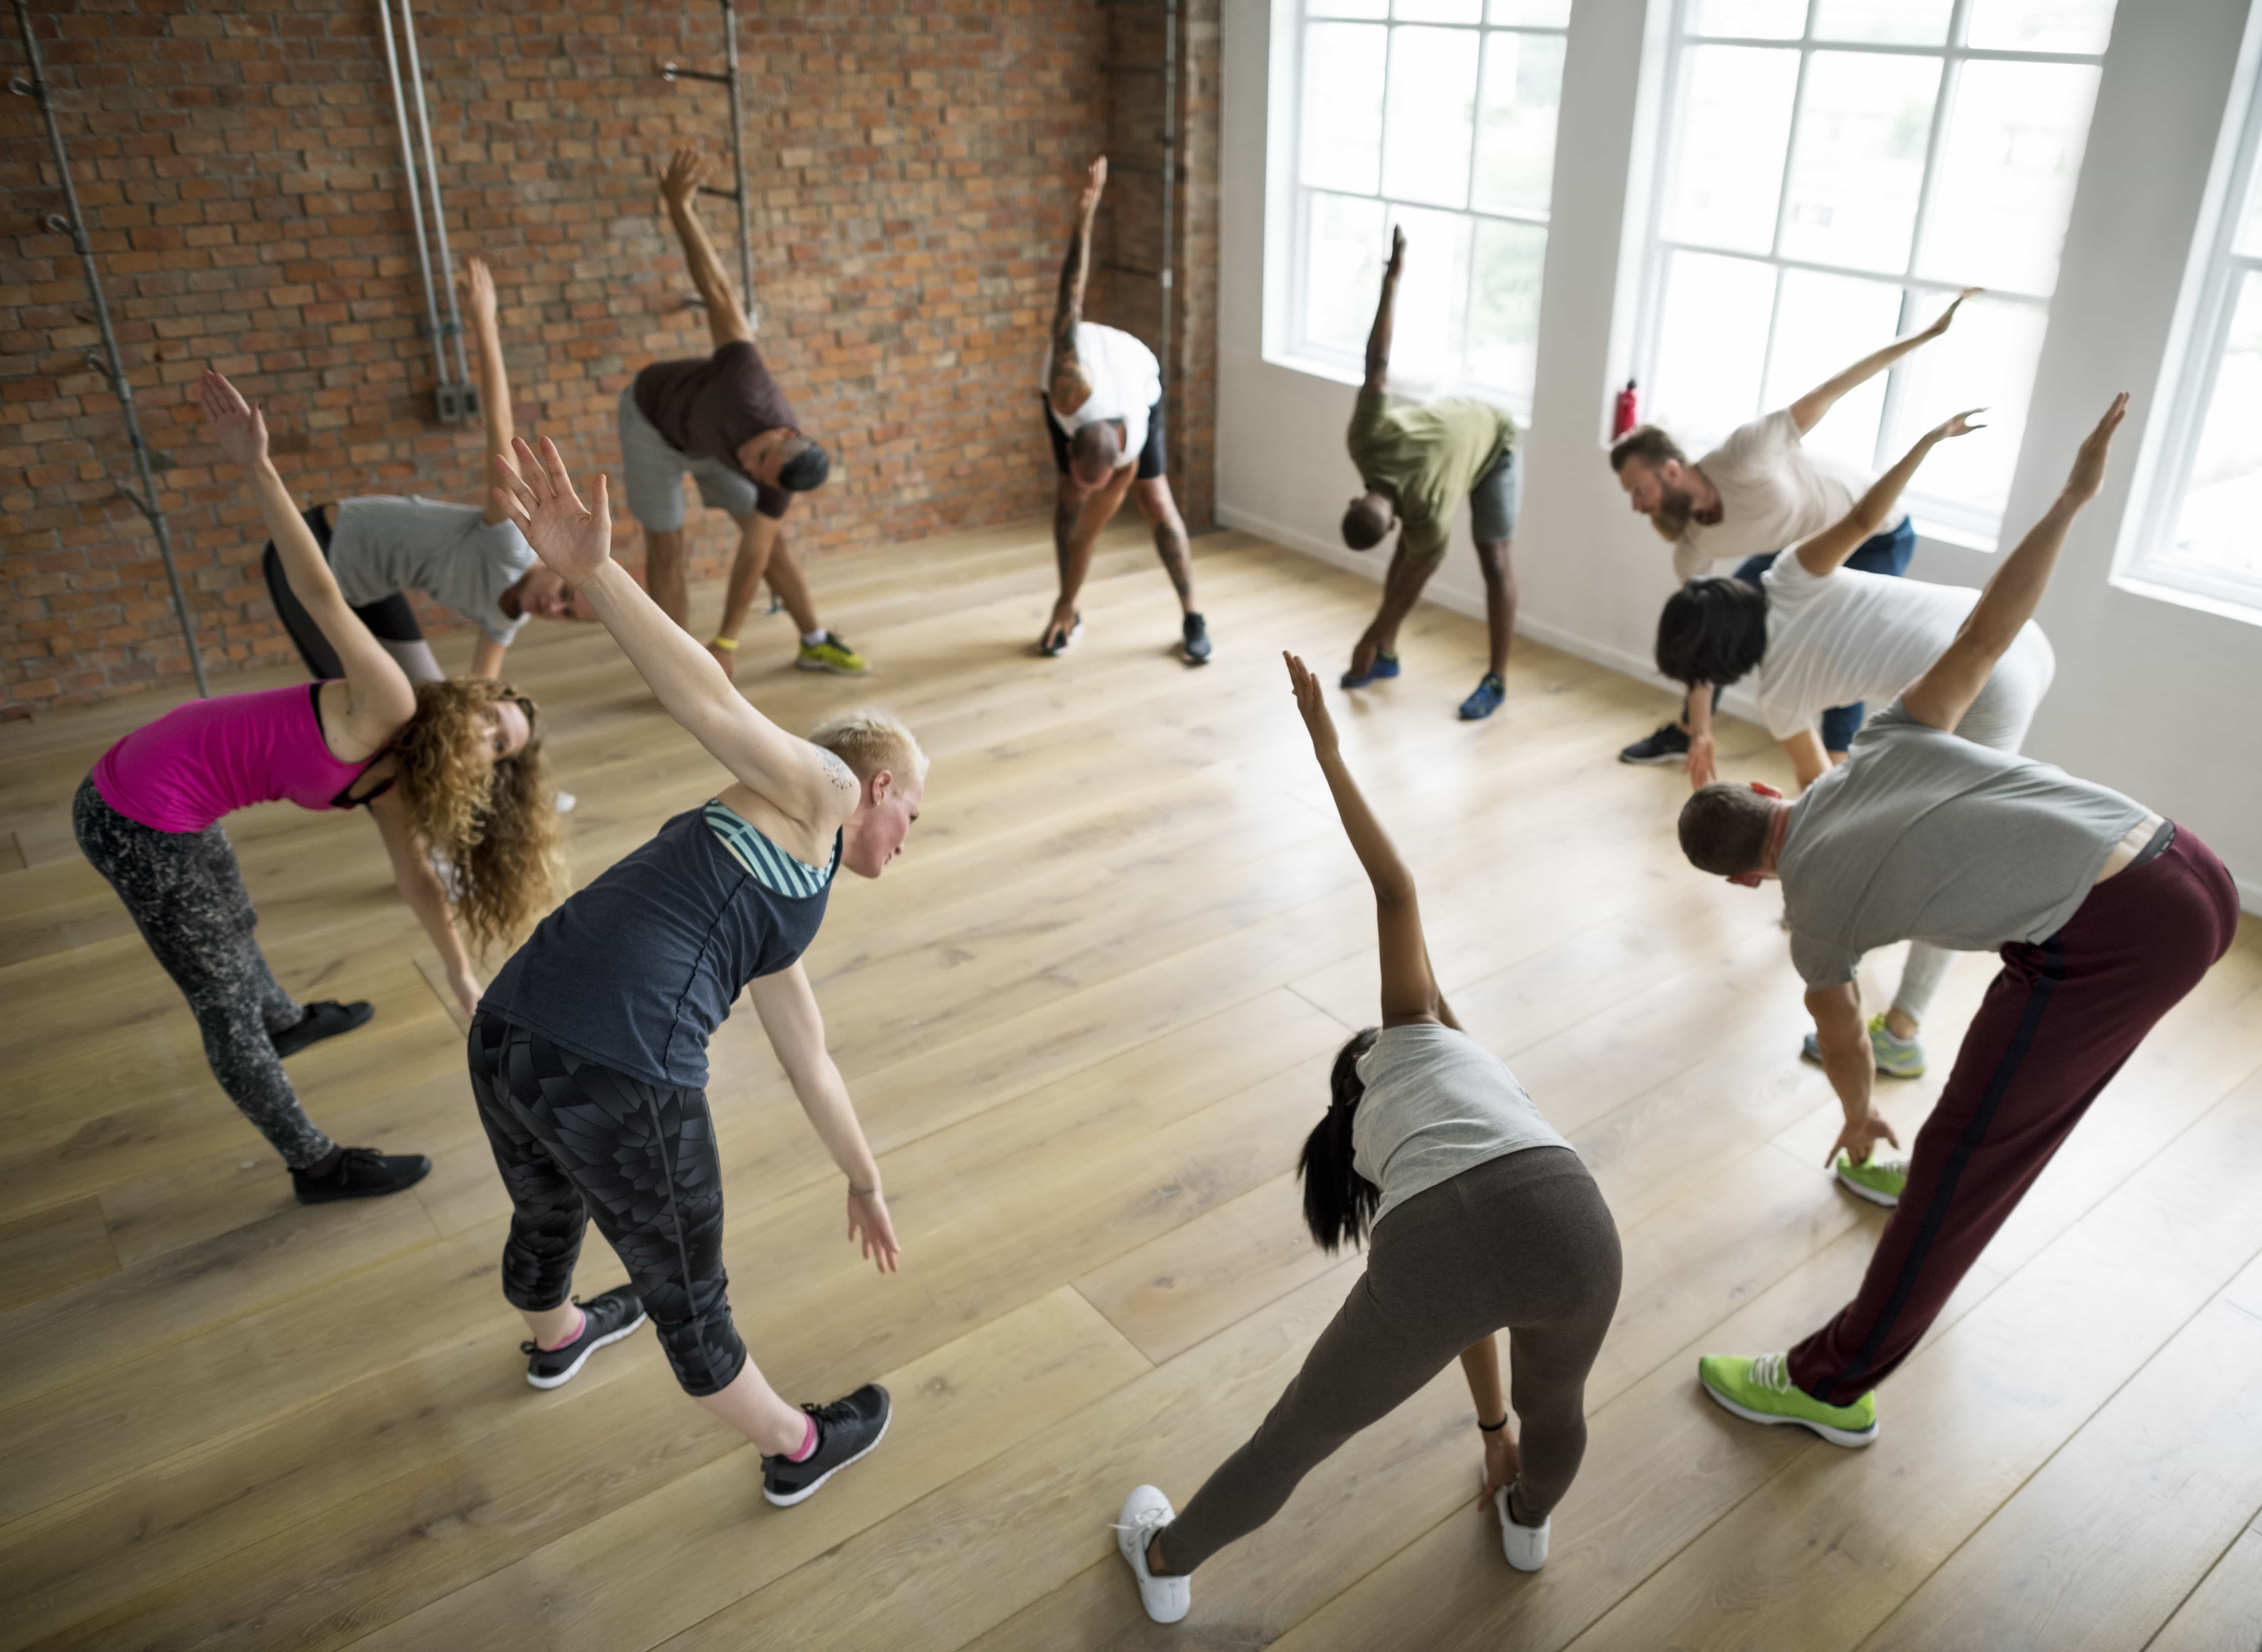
(1628, 411)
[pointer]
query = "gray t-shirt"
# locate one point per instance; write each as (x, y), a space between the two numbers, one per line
(382, 544)
(1923, 834)
(1437, 1102)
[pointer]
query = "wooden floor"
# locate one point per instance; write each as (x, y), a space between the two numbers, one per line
(1087, 1020)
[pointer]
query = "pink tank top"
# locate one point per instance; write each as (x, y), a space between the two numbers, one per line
(211, 757)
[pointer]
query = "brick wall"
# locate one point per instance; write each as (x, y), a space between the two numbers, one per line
(240, 172)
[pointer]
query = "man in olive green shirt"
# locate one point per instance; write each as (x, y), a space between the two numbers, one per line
(1416, 463)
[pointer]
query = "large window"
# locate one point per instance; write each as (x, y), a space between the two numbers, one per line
(2201, 528)
(1833, 172)
(1439, 115)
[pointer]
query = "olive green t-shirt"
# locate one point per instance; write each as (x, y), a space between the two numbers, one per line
(1427, 456)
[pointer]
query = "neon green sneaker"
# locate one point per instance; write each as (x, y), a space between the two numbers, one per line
(1879, 1181)
(1897, 1057)
(1760, 1390)
(828, 653)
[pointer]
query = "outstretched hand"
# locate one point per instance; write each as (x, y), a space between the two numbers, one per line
(1095, 181)
(2089, 465)
(573, 539)
(1957, 424)
(1859, 1140)
(679, 179)
(1947, 315)
(1312, 704)
(234, 423)
(1397, 252)
(479, 291)
(869, 1224)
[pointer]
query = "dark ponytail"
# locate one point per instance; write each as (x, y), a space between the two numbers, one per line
(1338, 1201)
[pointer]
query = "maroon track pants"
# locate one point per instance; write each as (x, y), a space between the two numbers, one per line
(2056, 1025)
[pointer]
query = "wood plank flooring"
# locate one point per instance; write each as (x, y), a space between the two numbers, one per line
(1087, 1020)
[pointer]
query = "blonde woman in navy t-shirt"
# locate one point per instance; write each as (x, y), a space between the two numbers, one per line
(588, 1057)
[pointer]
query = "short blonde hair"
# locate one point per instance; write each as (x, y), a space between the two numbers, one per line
(869, 740)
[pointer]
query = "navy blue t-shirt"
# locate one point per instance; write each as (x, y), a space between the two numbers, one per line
(636, 971)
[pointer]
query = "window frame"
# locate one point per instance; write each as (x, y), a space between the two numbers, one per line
(1289, 347)
(2215, 273)
(1939, 517)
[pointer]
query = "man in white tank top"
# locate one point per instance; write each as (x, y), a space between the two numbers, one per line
(1103, 396)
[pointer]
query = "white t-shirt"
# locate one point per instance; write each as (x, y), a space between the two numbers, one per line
(1773, 493)
(1127, 381)
(1437, 1102)
(382, 544)
(1847, 636)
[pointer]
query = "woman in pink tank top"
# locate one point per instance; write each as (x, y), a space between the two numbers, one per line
(453, 768)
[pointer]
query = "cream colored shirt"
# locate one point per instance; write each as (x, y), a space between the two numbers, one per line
(1773, 493)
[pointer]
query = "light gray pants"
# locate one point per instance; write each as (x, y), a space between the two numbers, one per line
(1999, 717)
(1522, 1243)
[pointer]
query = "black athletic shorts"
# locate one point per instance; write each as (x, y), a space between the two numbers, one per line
(389, 619)
(1150, 455)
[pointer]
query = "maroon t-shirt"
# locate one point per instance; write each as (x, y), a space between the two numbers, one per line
(708, 408)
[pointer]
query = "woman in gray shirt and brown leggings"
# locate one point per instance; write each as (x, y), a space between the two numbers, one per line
(1481, 1218)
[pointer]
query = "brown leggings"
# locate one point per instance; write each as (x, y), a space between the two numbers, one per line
(1524, 1243)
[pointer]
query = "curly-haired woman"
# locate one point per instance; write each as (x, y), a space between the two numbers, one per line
(451, 766)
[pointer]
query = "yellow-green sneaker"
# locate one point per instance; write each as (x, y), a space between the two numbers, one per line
(1897, 1057)
(1760, 1390)
(828, 653)
(1879, 1181)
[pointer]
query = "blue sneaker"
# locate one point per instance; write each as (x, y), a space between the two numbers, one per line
(1384, 665)
(1486, 701)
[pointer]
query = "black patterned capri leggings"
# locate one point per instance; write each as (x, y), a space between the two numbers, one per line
(188, 901)
(575, 1140)
(1522, 1243)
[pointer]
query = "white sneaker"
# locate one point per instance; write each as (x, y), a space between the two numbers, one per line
(1525, 1546)
(566, 801)
(1145, 1513)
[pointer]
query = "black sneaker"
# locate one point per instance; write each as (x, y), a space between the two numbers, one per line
(605, 1319)
(846, 1429)
(1056, 644)
(1195, 649)
(362, 1173)
(324, 1020)
(1668, 744)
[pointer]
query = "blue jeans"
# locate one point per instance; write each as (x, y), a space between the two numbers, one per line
(1887, 553)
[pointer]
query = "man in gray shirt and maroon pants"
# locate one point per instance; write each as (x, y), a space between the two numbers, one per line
(2106, 915)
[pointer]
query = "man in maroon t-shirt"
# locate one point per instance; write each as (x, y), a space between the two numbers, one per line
(723, 422)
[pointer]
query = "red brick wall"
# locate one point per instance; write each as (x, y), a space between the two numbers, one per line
(239, 168)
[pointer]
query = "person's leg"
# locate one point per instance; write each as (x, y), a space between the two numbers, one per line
(1494, 503)
(391, 621)
(1559, 1269)
(1921, 977)
(790, 588)
(2053, 1031)
(547, 1215)
(321, 659)
(651, 486)
(188, 900)
(1153, 497)
(1499, 571)
(641, 1157)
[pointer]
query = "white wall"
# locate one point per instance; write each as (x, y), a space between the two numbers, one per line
(2161, 701)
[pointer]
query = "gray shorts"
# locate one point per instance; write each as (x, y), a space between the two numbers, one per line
(654, 471)
(1493, 501)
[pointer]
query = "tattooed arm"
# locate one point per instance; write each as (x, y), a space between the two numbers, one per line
(1070, 387)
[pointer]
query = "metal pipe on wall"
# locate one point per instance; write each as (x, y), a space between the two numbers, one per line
(109, 364)
(439, 217)
(671, 72)
(415, 199)
(454, 398)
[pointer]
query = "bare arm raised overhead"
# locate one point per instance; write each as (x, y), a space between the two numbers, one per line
(679, 187)
(807, 785)
(1945, 692)
(1378, 336)
(1826, 552)
(1409, 989)
(1070, 386)
(1807, 411)
(380, 697)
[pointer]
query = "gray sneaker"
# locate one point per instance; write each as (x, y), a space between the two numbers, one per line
(605, 1319)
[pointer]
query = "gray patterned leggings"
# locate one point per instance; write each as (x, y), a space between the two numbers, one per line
(188, 901)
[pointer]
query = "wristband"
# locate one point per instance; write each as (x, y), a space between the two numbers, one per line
(728, 644)
(1491, 1428)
